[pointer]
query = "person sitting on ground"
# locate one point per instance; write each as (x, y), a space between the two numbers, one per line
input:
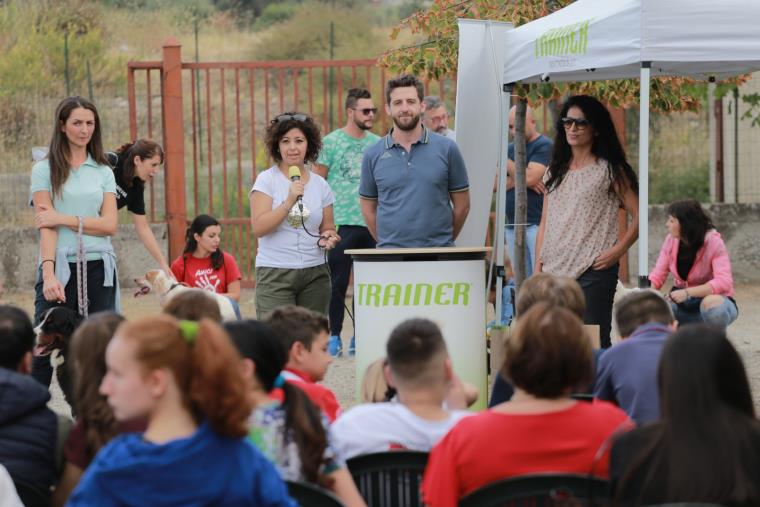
(420, 369)
(706, 446)
(204, 265)
(541, 429)
(694, 253)
(305, 335)
(28, 429)
(95, 425)
(193, 305)
(556, 290)
(627, 372)
(290, 431)
(183, 378)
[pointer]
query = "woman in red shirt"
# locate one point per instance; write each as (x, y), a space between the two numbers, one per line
(541, 429)
(203, 264)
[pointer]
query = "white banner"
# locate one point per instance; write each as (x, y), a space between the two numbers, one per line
(482, 51)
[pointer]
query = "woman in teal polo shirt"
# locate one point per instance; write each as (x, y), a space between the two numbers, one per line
(74, 196)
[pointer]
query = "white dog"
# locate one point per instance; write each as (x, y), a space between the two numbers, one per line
(157, 281)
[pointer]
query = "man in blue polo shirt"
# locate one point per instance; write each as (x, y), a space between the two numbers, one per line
(538, 150)
(413, 190)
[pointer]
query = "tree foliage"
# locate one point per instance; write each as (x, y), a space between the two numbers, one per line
(436, 55)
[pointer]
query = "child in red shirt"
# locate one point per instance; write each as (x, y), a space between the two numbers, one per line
(203, 264)
(305, 335)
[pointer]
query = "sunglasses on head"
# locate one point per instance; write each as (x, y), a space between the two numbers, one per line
(365, 111)
(580, 123)
(286, 117)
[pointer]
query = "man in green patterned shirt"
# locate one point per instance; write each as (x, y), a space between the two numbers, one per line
(340, 162)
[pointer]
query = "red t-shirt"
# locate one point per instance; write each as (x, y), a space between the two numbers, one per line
(491, 446)
(198, 272)
(75, 448)
(319, 395)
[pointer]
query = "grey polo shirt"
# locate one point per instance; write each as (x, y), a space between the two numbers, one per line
(412, 189)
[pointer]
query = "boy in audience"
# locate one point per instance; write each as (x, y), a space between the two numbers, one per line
(305, 335)
(627, 372)
(28, 429)
(420, 369)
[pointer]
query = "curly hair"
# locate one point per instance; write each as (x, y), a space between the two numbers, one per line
(283, 124)
(88, 347)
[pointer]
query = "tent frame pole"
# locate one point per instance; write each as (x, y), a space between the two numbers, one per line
(644, 175)
(501, 201)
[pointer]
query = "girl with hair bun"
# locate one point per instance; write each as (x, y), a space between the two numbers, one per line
(206, 266)
(181, 376)
(134, 164)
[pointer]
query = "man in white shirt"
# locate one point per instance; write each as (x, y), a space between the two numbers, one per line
(435, 116)
(420, 369)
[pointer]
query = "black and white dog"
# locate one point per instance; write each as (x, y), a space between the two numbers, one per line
(52, 348)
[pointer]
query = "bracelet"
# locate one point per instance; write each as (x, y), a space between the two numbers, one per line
(688, 296)
(47, 260)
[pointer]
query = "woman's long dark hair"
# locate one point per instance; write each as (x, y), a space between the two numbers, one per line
(693, 220)
(88, 347)
(59, 155)
(256, 341)
(198, 225)
(606, 145)
(143, 148)
(704, 449)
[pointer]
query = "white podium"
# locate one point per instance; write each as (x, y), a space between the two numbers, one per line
(445, 285)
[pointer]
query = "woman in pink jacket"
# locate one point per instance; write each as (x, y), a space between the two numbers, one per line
(693, 251)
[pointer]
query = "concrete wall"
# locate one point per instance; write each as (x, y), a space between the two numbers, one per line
(19, 250)
(738, 224)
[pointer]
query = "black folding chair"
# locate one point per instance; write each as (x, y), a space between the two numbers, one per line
(311, 495)
(31, 496)
(389, 479)
(541, 490)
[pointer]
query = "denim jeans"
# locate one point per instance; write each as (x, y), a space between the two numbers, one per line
(531, 232)
(721, 315)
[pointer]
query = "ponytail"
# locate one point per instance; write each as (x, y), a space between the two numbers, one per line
(198, 225)
(217, 390)
(304, 422)
(204, 364)
(143, 148)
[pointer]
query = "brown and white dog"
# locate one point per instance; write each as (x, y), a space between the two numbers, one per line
(157, 281)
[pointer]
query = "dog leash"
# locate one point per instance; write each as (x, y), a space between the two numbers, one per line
(81, 270)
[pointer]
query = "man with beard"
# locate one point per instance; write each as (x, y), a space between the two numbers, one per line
(414, 190)
(340, 163)
(435, 116)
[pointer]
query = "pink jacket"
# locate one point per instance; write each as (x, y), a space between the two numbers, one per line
(711, 266)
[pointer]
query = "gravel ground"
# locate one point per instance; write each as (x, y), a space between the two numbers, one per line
(341, 377)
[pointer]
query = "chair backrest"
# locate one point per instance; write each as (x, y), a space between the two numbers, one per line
(539, 490)
(389, 479)
(31, 496)
(311, 495)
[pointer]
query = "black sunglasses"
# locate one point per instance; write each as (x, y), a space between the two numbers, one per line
(365, 111)
(296, 117)
(580, 123)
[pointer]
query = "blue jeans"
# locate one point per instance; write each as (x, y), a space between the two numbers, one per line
(721, 315)
(531, 232)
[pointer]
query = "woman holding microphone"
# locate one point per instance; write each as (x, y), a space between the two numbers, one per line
(292, 217)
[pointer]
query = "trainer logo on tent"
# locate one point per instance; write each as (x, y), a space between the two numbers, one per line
(414, 294)
(564, 40)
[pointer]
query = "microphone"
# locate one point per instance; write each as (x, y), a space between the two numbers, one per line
(295, 175)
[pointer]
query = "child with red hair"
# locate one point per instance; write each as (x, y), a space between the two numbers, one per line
(182, 377)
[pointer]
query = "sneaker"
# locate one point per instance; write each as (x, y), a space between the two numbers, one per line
(352, 347)
(335, 346)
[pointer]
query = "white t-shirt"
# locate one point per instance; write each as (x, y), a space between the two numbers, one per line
(288, 246)
(379, 427)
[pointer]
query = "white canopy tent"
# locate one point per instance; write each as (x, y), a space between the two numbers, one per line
(610, 39)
